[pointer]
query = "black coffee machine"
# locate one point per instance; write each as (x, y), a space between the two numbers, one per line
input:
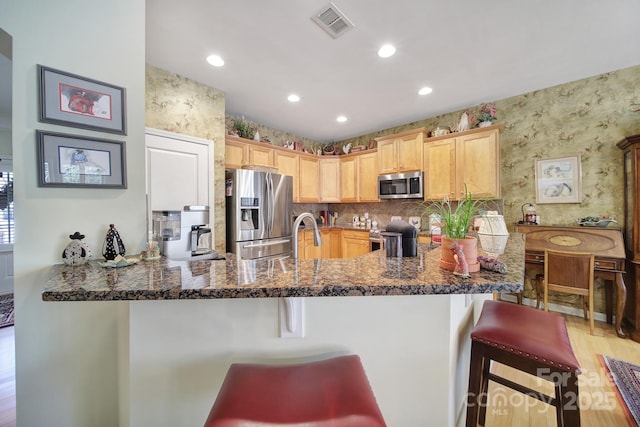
(409, 236)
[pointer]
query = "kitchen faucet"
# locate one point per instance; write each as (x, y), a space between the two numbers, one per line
(317, 240)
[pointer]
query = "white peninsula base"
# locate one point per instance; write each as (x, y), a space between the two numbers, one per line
(415, 350)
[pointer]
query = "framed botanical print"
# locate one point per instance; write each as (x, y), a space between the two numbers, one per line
(559, 180)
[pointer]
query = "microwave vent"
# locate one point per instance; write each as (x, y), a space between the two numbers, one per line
(332, 20)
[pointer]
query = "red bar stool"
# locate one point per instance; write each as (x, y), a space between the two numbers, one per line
(531, 341)
(333, 392)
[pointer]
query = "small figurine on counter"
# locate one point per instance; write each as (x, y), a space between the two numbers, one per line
(110, 242)
(77, 252)
(462, 268)
(492, 264)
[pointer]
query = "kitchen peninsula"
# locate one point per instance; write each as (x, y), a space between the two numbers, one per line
(188, 321)
(366, 275)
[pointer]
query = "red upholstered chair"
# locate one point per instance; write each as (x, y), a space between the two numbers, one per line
(532, 341)
(327, 393)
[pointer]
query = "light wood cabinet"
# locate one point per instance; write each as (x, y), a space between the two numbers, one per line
(330, 247)
(288, 163)
(309, 182)
(354, 243)
(359, 177)
(367, 177)
(335, 244)
(259, 155)
(470, 158)
(349, 179)
(330, 180)
(401, 152)
(236, 154)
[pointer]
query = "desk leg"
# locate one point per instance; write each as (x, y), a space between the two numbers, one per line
(608, 298)
(621, 298)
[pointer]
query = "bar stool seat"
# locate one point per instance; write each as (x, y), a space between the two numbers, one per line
(333, 392)
(531, 341)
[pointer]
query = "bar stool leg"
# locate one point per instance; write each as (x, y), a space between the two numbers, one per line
(484, 389)
(475, 382)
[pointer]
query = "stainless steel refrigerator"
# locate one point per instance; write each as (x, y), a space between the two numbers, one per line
(259, 208)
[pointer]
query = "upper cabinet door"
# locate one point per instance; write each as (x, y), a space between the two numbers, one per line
(368, 177)
(287, 163)
(330, 180)
(236, 154)
(478, 164)
(440, 169)
(309, 183)
(349, 179)
(401, 152)
(410, 152)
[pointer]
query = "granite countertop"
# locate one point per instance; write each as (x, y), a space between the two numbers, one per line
(369, 274)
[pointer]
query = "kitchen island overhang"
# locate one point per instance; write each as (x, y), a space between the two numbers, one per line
(367, 275)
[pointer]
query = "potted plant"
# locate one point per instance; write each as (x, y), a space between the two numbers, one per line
(243, 128)
(485, 116)
(329, 149)
(455, 223)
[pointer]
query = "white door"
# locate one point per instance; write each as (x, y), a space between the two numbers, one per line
(179, 171)
(6, 225)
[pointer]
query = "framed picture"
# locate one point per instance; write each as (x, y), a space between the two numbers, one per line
(70, 100)
(559, 180)
(77, 161)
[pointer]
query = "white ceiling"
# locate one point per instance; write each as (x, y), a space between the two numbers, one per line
(468, 51)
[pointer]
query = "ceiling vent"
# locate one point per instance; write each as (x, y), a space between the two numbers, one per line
(330, 19)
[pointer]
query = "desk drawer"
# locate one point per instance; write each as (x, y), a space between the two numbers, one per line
(607, 264)
(534, 257)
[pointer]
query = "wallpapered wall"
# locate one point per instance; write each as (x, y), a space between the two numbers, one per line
(177, 104)
(586, 117)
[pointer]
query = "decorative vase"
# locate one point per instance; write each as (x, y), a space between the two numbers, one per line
(484, 124)
(470, 249)
(113, 245)
(77, 252)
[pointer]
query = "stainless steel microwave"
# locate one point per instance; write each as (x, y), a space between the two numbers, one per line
(408, 185)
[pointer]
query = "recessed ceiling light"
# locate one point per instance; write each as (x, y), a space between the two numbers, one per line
(341, 119)
(215, 60)
(386, 51)
(293, 98)
(425, 91)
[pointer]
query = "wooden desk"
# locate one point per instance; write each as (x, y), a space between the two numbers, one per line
(605, 243)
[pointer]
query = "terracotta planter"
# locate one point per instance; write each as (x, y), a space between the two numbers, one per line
(470, 249)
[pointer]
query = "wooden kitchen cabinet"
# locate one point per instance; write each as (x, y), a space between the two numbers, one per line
(367, 177)
(359, 177)
(309, 182)
(236, 153)
(349, 178)
(470, 158)
(330, 180)
(288, 163)
(260, 155)
(355, 243)
(330, 247)
(401, 152)
(335, 244)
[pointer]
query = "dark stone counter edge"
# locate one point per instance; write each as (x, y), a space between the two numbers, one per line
(329, 291)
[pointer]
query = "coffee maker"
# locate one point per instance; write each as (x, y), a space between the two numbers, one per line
(184, 235)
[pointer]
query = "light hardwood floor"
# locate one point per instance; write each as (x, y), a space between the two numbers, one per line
(7, 377)
(600, 406)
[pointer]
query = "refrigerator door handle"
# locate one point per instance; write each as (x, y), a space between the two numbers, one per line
(270, 204)
(269, 243)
